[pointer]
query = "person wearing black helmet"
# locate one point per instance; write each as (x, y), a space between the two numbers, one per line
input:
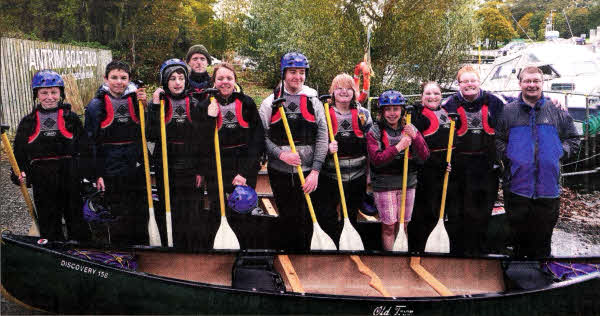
(47, 147)
(198, 59)
(187, 155)
(387, 142)
(306, 118)
(112, 126)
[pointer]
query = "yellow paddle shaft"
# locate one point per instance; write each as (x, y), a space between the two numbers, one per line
(145, 152)
(336, 161)
(300, 174)
(404, 175)
(448, 158)
(17, 171)
(219, 171)
(165, 164)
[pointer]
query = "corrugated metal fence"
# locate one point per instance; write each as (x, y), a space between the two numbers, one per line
(81, 67)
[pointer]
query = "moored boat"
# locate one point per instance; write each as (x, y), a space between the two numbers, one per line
(46, 276)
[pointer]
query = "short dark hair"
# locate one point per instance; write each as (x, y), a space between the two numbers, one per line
(117, 64)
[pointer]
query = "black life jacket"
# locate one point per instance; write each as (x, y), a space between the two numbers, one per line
(50, 139)
(475, 133)
(233, 128)
(436, 135)
(178, 120)
(120, 124)
(351, 141)
(396, 166)
(301, 119)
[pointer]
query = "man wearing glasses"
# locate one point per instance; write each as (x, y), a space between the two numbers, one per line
(532, 136)
(474, 165)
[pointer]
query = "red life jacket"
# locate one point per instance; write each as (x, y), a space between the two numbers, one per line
(120, 125)
(234, 133)
(50, 139)
(436, 135)
(349, 144)
(396, 166)
(301, 119)
(475, 133)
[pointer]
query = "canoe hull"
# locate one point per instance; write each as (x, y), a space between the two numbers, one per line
(53, 281)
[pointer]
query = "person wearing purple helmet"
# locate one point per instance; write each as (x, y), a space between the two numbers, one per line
(308, 126)
(387, 142)
(47, 147)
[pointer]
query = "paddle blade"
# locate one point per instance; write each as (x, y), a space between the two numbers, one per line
(401, 243)
(320, 240)
(350, 239)
(33, 230)
(225, 238)
(438, 240)
(153, 233)
(169, 229)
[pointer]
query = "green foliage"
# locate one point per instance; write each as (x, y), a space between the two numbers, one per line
(494, 26)
(415, 42)
(525, 23)
(328, 32)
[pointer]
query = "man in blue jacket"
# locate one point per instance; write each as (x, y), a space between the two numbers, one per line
(532, 136)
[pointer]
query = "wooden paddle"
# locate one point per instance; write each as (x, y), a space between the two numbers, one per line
(320, 240)
(438, 240)
(165, 166)
(34, 229)
(401, 243)
(225, 237)
(349, 238)
(153, 234)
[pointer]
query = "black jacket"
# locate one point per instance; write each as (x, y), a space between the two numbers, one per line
(27, 149)
(246, 157)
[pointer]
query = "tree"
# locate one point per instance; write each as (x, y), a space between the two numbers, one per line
(415, 42)
(328, 32)
(525, 24)
(495, 26)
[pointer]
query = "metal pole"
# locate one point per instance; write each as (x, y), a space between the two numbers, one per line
(586, 177)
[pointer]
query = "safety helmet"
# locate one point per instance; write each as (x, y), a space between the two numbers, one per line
(168, 67)
(368, 205)
(293, 60)
(95, 209)
(391, 97)
(47, 79)
(243, 199)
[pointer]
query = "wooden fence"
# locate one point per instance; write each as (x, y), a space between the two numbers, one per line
(82, 69)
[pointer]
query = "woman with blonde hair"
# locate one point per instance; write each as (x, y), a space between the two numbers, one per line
(350, 125)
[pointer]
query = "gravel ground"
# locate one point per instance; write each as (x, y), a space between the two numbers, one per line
(576, 233)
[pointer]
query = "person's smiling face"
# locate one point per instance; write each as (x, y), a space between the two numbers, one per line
(49, 97)
(294, 79)
(432, 96)
(469, 85)
(225, 81)
(117, 81)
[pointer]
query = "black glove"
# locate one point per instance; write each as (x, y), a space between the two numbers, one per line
(14, 178)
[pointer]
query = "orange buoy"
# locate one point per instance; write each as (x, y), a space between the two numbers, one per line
(364, 69)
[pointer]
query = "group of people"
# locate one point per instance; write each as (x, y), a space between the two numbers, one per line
(523, 140)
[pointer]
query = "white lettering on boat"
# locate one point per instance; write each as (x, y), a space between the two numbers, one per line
(397, 310)
(84, 269)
